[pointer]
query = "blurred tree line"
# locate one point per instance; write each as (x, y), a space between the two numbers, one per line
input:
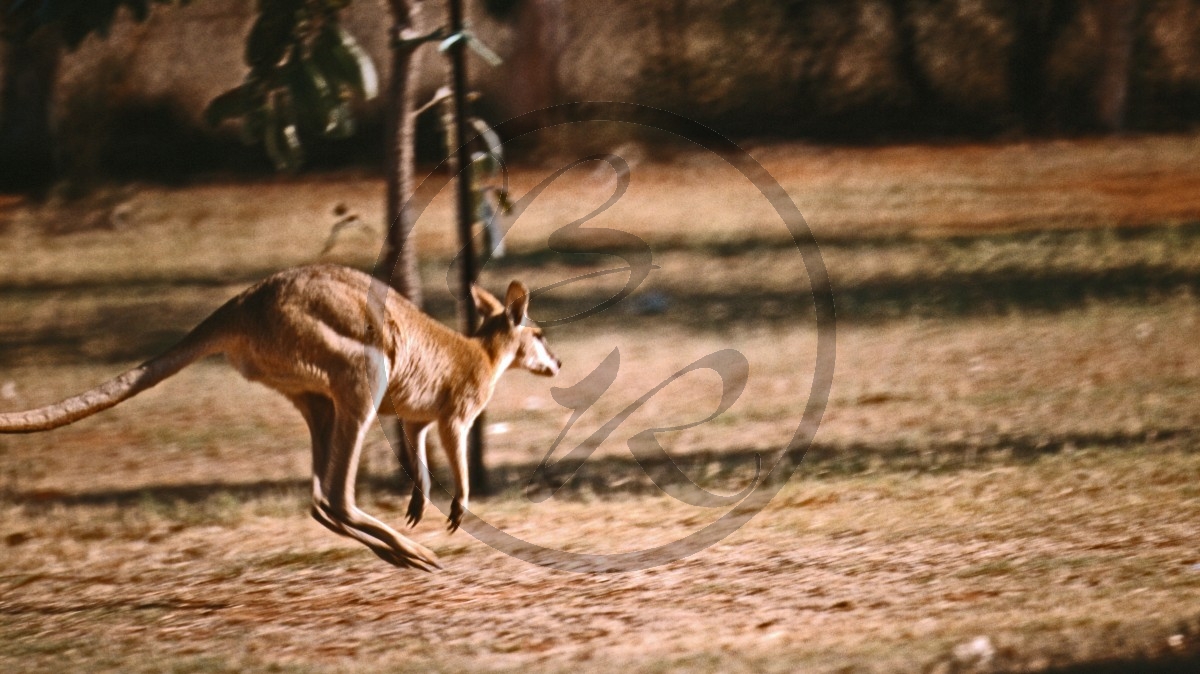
(877, 69)
(842, 70)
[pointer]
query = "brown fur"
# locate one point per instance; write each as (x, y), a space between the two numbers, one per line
(334, 341)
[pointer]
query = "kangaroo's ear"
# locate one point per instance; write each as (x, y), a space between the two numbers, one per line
(485, 302)
(517, 301)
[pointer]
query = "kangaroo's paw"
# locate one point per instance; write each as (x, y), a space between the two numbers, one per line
(416, 508)
(411, 555)
(456, 514)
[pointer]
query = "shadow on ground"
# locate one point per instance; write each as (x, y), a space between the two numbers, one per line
(133, 331)
(725, 471)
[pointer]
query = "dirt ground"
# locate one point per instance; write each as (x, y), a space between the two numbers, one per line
(1006, 476)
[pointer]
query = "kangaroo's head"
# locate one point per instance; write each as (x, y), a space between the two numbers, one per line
(506, 329)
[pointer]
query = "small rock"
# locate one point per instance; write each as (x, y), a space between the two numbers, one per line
(978, 651)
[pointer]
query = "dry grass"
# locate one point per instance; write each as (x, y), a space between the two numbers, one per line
(879, 572)
(1009, 448)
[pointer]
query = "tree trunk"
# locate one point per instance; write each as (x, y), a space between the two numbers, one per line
(400, 268)
(1036, 28)
(927, 106)
(26, 91)
(400, 261)
(1118, 20)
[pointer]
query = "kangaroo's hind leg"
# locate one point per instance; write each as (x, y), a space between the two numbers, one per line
(416, 434)
(318, 413)
(352, 417)
(453, 434)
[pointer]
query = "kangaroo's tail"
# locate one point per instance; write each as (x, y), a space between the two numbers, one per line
(204, 340)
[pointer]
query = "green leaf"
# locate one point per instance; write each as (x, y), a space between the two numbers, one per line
(342, 59)
(236, 102)
(493, 59)
(269, 39)
(368, 78)
(503, 202)
(485, 52)
(341, 123)
(295, 152)
(312, 96)
(254, 125)
(495, 146)
(281, 138)
(448, 43)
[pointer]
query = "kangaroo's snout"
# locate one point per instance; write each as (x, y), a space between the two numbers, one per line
(551, 368)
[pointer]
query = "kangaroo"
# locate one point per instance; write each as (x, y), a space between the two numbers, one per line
(334, 341)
